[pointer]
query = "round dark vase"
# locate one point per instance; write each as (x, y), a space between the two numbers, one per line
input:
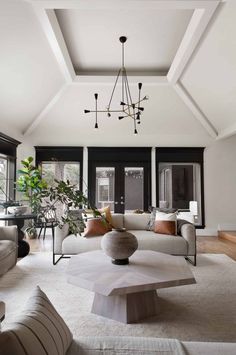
(119, 245)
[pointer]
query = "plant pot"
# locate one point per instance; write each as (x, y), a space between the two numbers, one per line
(31, 234)
(119, 245)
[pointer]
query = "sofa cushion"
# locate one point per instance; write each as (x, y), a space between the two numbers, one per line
(148, 240)
(6, 248)
(136, 221)
(125, 346)
(118, 220)
(40, 330)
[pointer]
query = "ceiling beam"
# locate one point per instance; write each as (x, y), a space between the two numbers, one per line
(34, 124)
(199, 115)
(227, 132)
(133, 80)
(197, 26)
(129, 4)
(56, 41)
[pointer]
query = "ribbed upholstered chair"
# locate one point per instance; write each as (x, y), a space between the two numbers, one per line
(8, 248)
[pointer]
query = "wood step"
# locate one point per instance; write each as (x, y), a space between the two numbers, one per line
(229, 235)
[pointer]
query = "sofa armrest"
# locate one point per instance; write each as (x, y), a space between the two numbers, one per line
(188, 232)
(9, 233)
(60, 235)
(2, 311)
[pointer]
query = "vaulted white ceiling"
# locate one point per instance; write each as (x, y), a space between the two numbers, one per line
(55, 54)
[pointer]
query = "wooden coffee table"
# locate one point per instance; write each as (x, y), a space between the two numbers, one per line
(127, 293)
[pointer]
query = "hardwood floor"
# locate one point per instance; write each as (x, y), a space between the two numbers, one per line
(212, 245)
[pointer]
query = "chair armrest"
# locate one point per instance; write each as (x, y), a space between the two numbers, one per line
(188, 232)
(60, 235)
(9, 233)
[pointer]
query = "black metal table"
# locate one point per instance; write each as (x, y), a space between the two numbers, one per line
(18, 220)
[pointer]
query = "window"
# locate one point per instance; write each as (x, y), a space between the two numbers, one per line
(61, 171)
(62, 163)
(180, 183)
(4, 181)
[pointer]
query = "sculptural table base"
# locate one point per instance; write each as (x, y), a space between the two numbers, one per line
(128, 308)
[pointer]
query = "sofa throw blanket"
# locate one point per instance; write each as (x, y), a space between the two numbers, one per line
(180, 223)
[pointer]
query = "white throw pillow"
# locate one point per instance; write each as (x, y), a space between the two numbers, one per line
(165, 223)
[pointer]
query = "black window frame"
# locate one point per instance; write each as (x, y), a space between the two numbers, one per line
(182, 155)
(60, 153)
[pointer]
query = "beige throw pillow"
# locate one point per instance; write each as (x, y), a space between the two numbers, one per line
(40, 330)
(165, 223)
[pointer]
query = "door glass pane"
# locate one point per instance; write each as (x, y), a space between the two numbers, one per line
(61, 171)
(133, 189)
(180, 188)
(105, 187)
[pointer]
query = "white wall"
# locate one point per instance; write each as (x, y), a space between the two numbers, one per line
(219, 182)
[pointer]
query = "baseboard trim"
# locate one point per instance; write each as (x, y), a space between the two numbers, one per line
(227, 227)
(206, 232)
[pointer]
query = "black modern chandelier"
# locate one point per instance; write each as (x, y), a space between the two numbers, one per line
(128, 108)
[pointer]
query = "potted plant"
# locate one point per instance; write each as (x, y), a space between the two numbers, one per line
(33, 187)
(38, 193)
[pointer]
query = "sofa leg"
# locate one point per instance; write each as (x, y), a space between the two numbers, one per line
(61, 256)
(194, 261)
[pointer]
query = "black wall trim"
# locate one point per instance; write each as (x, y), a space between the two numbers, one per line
(47, 153)
(119, 154)
(51, 153)
(8, 145)
(182, 155)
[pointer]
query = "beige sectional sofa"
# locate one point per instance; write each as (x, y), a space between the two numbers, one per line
(183, 244)
(8, 248)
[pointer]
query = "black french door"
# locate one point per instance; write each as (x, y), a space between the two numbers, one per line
(122, 185)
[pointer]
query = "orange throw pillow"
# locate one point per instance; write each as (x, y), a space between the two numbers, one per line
(165, 223)
(95, 227)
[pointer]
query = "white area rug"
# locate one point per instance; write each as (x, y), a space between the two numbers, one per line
(202, 312)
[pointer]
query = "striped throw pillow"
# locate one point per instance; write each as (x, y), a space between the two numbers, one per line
(41, 330)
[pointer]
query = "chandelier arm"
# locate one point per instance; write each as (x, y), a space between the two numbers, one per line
(105, 111)
(127, 83)
(129, 103)
(114, 87)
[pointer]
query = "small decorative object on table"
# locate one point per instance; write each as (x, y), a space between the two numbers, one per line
(119, 245)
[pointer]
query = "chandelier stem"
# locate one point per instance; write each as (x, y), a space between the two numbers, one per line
(114, 87)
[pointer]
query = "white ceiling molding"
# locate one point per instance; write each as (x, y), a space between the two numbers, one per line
(196, 28)
(227, 132)
(43, 113)
(133, 80)
(191, 104)
(203, 12)
(55, 38)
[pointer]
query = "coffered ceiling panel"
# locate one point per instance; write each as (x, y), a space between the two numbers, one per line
(92, 38)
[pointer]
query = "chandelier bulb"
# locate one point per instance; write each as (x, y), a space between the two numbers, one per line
(96, 125)
(120, 117)
(108, 115)
(140, 86)
(146, 97)
(135, 132)
(141, 108)
(96, 96)
(86, 111)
